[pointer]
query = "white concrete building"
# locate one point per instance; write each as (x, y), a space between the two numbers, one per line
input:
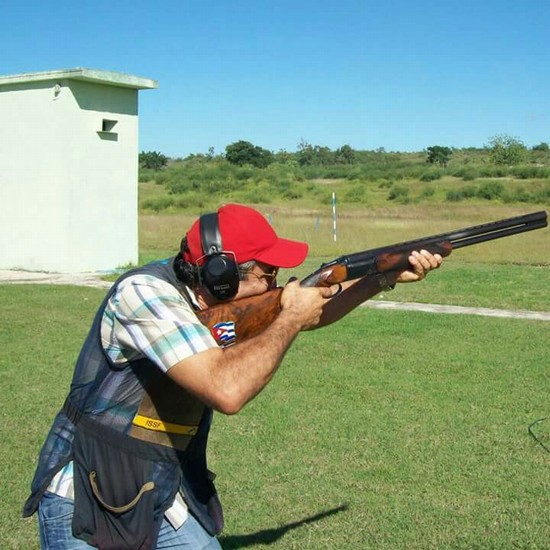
(68, 170)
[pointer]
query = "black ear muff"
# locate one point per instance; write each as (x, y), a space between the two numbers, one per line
(220, 272)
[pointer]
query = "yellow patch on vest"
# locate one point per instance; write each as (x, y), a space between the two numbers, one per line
(160, 426)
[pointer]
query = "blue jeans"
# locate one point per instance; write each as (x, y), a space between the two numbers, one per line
(55, 515)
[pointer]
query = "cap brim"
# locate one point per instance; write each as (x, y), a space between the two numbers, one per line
(284, 253)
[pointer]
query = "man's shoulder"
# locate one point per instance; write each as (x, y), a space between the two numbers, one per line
(145, 279)
(149, 286)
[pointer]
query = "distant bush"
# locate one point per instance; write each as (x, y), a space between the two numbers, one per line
(457, 195)
(530, 172)
(520, 194)
(162, 178)
(432, 175)
(454, 195)
(158, 203)
(243, 173)
(324, 196)
(490, 190)
(507, 150)
(542, 195)
(356, 193)
(427, 192)
(468, 173)
(152, 160)
(344, 155)
(211, 177)
(340, 171)
(400, 194)
(437, 154)
(243, 152)
(492, 171)
(146, 175)
(191, 200)
(260, 194)
(290, 190)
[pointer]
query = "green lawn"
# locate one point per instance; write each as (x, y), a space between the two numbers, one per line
(416, 423)
(389, 430)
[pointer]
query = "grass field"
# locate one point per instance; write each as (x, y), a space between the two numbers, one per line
(389, 430)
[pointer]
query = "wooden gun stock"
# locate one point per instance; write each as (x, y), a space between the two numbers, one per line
(247, 317)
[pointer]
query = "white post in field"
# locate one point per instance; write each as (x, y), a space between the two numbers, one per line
(334, 216)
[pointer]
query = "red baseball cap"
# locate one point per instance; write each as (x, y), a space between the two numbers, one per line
(247, 233)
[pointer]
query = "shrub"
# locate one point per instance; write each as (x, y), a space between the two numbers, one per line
(465, 172)
(243, 152)
(520, 194)
(152, 160)
(490, 190)
(543, 195)
(399, 193)
(530, 172)
(161, 178)
(157, 203)
(457, 195)
(356, 193)
(469, 174)
(493, 171)
(438, 154)
(245, 172)
(427, 192)
(506, 150)
(432, 175)
(191, 200)
(146, 174)
(454, 195)
(259, 194)
(324, 196)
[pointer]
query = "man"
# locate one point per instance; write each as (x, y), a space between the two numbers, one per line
(124, 464)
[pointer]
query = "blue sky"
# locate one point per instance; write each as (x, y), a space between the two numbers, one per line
(398, 74)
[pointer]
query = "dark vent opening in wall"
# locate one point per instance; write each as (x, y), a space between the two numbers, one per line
(108, 125)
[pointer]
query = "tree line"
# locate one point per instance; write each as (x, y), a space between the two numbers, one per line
(501, 150)
(504, 170)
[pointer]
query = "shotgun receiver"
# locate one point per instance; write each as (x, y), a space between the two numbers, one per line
(240, 319)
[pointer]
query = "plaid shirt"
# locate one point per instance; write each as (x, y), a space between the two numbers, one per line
(147, 318)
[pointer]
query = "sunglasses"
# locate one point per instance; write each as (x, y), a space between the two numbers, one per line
(269, 276)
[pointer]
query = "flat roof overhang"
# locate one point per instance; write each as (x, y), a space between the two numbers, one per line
(89, 75)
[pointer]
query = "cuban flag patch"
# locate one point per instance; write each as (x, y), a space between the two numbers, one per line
(224, 333)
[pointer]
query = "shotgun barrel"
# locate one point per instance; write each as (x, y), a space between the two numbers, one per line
(394, 256)
(471, 235)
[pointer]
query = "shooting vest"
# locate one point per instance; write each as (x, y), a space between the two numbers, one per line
(135, 438)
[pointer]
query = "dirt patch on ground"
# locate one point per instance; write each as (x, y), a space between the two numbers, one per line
(32, 277)
(95, 280)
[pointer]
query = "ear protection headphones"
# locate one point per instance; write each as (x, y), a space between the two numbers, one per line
(220, 272)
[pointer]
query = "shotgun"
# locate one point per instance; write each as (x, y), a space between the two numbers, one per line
(241, 319)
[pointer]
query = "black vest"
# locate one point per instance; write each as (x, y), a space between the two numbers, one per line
(103, 401)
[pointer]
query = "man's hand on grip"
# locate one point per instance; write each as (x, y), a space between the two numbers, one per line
(305, 304)
(421, 263)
